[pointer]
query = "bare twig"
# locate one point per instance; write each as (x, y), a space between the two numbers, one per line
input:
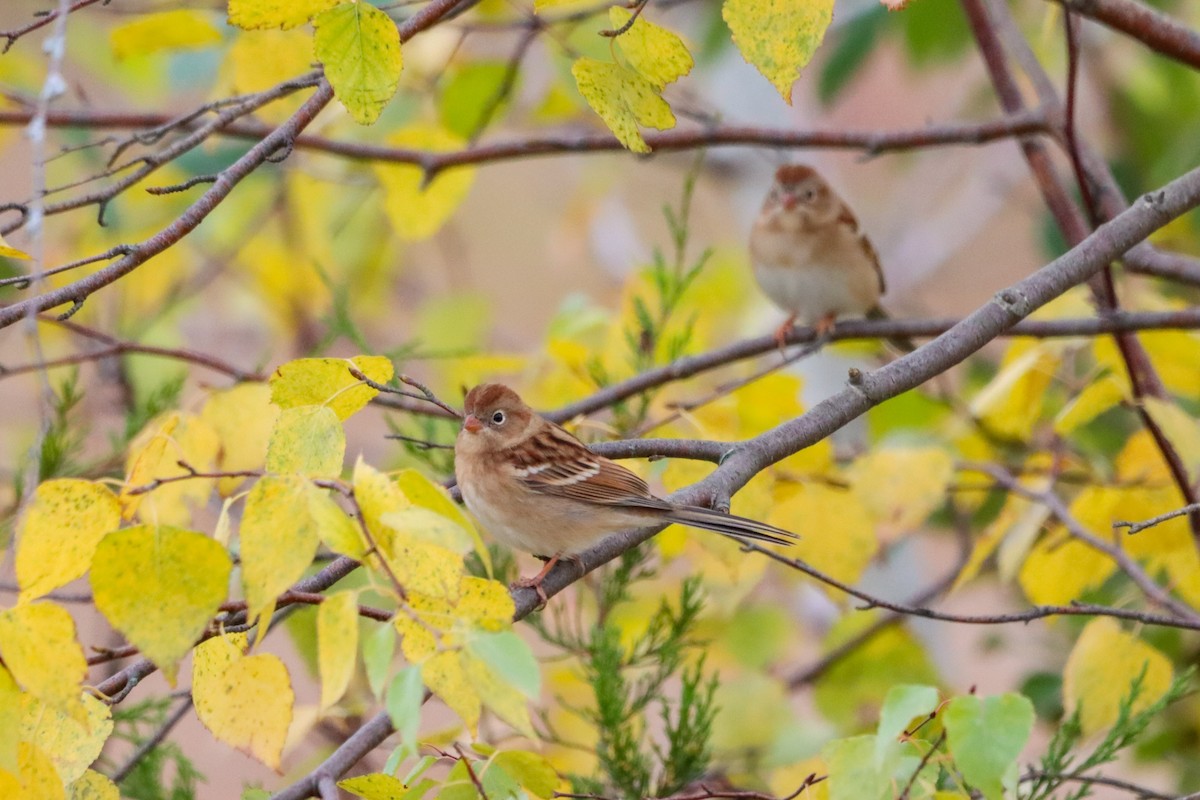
(154, 741)
(42, 20)
(1137, 527)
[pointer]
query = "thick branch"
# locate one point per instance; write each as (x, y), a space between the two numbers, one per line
(1149, 26)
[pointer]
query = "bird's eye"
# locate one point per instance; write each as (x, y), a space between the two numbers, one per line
(498, 417)
(810, 194)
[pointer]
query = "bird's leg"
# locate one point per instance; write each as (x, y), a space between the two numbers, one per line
(535, 582)
(824, 328)
(782, 331)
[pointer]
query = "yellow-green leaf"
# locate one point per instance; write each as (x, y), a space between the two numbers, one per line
(10, 718)
(38, 645)
(155, 454)
(360, 48)
(38, 778)
(1059, 569)
(8, 251)
(532, 771)
(1101, 669)
(416, 210)
(1180, 429)
(659, 55)
(778, 37)
(165, 30)
(425, 493)
(337, 530)
(72, 744)
(337, 644)
(160, 586)
(445, 676)
(93, 786)
(376, 786)
(816, 507)
(328, 382)
(623, 99)
(505, 700)
(1011, 404)
(278, 539)
(902, 486)
(243, 418)
(59, 533)
(309, 441)
(255, 716)
(252, 14)
(1098, 397)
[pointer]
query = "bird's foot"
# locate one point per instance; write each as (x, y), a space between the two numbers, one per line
(535, 582)
(782, 331)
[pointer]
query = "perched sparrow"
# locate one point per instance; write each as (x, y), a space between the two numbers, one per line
(539, 489)
(809, 256)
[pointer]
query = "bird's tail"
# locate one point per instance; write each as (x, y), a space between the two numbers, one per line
(730, 525)
(901, 343)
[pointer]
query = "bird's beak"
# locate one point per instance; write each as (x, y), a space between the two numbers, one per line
(790, 201)
(472, 424)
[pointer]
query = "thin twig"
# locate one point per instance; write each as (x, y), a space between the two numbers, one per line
(154, 741)
(1137, 527)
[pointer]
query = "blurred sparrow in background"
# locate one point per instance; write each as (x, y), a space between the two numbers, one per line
(810, 258)
(539, 489)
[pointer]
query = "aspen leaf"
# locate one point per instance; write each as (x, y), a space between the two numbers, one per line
(328, 382)
(659, 55)
(59, 533)
(309, 441)
(1060, 569)
(986, 735)
(623, 99)
(155, 454)
(852, 773)
(243, 418)
(1098, 397)
(1180, 428)
(778, 37)
(425, 493)
(445, 676)
(405, 695)
(91, 785)
(10, 718)
(376, 786)
(504, 699)
(8, 251)
(259, 60)
(1100, 672)
(335, 528)
(465, 104)
(275, 13)
(38, 778)
(160, 586)
(510, 658)
(837, 535)
(417, 641)
(415, 210)
(1011, 404)
(1173, 353)
(359, 46)
(165, 30)
(278, 539)
(38, 645)
(903, 703)
(71, 744)
(245, 701)
(337, 644)
(485, 603)
(902, 486)
(532, 771)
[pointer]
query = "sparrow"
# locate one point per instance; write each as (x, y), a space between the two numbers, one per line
(809, 256)
(538, 489)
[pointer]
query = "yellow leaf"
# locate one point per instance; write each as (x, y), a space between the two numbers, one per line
(243, 418)
(59, 533)
(504, 699)
(659, 55)
(1098, 397)
(93, 786)
(420, 566)
(1180, 429)
(278, 539)
(360, 48)
(257, 61)
(337, 644)
(165, 30)
(902, 486)
(8, 251)
(1010, 405)
(155, 454)
(309, 441)
(778, 37)
(1101, 669)
(275, 13)
(10, 718)
(376, 786)
(425, 493)
(817, 508)
(445, 676)
(245, 701)
(38, 645)
(784, 780)
(39, 780)
(328, 382)
(417, 641)
(337, 530)
(71, 744)
(1173, 353)
(485, 603)
(160, 586)
(623, 99)
(1060, 569)
(376, 495)
(424, 525)
(417, 211)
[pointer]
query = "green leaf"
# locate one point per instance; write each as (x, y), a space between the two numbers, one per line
(511, 659)
(378, 646)
(852, 771)
(468, 95)
(901, 705)
(985, 736)
(531, 770)
(405, 694)
(360, 48)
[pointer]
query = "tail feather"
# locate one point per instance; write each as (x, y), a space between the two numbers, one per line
(731, 525)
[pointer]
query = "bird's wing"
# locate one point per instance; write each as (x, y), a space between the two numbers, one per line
(848, 219)
(556, 463)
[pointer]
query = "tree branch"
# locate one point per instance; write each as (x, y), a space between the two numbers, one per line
(1149, 26)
